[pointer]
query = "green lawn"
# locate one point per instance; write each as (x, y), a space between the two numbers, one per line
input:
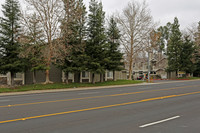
(62, 86)
(191, 78)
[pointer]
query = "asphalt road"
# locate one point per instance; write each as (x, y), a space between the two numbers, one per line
(157, 108)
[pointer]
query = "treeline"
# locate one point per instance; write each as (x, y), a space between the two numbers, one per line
(182, 48)
(63, 33)
(58, 32)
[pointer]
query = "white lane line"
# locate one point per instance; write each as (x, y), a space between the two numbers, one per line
(88, 93)
(158, 122)
(22, 95)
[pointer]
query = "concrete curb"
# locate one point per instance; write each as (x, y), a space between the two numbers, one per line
(84, 88)
(69, 89)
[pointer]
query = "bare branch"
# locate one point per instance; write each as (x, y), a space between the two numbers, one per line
(135, 23)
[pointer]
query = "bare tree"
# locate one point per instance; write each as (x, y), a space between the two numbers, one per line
(49, 12)
(32, 43)
(135, 25)
(191, 31)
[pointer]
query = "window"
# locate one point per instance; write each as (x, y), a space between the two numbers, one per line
(85, 74)
(152, 72)
(70, 75)
(110, 74)
(18, 76)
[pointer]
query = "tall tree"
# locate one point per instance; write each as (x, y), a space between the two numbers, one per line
(164, 32)
(50, 12)
(114, 55)
(32, 44)
(174, 47)
(197, 35)
(96, 39)
(135, 24)
(197, 51)
(9, 35)
(73, 30)
(187, 54)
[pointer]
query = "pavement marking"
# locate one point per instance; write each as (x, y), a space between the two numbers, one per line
(88, 93)
(83, 98)
(158, 122)
(101, 107)
(16, 96)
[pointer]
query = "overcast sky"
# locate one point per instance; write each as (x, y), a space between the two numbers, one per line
(187, 11)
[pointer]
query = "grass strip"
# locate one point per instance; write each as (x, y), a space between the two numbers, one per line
(65, 86)
(189, 78)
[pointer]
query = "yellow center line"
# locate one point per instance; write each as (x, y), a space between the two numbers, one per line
(101, 107)
(113, 95)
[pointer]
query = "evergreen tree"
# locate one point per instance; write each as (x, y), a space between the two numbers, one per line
(9, 35)
(174, 47)
(197, 52)
(164, 32)
(114, 56)
(96, 39)
(187, 54)
(73, 33)
(33, 44)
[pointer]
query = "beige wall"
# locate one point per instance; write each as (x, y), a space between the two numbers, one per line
(121, 75)
(171, 75)
(19, 79)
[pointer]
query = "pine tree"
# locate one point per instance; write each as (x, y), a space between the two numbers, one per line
(164, 36)
(197, 51)
(187, 54)
(96, 39)
(33, 44)
(114, 55)
(78, 56)
(174, 47)
(9, 35)
(73, 33)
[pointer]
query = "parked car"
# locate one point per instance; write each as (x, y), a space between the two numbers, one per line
(140, 77)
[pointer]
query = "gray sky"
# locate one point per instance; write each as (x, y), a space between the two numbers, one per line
(187, 11)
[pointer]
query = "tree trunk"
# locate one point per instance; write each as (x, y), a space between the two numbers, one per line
(67, 78)
(12, 78)
(130, 70)
(47, 74)
(80, 77)
(114, 78)
(131, 59)
(48, 62)
(101, 77)
(47, 77)
(34, 77)
(93, 78)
